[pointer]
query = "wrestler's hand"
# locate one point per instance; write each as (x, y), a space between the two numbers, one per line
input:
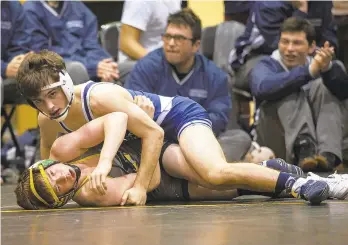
(134, 196)
(145, 104)
(97, 180)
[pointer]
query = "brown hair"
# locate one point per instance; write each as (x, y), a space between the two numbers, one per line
(299, 24)
(38, 70)
(188, 18)
(25, 197)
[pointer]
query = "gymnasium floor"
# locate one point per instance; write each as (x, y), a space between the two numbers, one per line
(252, 220)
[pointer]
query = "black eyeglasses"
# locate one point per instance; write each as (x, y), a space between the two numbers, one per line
(177, 38)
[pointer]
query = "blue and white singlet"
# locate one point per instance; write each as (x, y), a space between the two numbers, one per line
(173, 114)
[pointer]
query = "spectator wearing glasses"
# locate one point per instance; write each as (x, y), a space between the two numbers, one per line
(178, 69)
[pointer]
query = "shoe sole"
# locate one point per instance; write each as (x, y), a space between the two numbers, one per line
(342, 197)
(345, 195)
(322, 196)
(308, 164)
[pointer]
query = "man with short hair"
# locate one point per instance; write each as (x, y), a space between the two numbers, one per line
(178, 69)
(300, 119)
(261, 34)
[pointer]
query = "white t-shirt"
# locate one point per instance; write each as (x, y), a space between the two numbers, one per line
(150, 17)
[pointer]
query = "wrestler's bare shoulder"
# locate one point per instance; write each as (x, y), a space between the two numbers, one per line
(78, 89)
(45, 122)
(105, 90)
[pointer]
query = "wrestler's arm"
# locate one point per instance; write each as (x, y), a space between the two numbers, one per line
(115, 189)
(110, 128)
(110, 98)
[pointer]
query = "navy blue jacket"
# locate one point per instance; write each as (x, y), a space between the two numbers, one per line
(207, 84)
(270, 81)
(14, 38)
(263, 27)
(336, 80)
(73, 33)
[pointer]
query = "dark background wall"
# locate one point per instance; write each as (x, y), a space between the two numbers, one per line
(109, 11)
(106, 11)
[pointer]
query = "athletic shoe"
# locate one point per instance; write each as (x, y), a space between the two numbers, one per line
(342, 176)
(338, 184)
(314, 191)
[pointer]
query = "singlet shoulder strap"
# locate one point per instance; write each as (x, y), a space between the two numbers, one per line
(85, 105)
(78, 160)
(78, 191)
(86, 90)
(68, 130)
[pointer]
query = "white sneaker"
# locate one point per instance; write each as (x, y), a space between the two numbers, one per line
(340, 176)
(338, 184)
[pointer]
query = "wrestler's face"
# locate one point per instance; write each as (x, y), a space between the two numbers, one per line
(178, 45)
(294, 48)
(52, 101)
(61, 177)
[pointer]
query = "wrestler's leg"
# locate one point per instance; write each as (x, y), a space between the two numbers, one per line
(203, 153)
(174, 163)
(199, 193)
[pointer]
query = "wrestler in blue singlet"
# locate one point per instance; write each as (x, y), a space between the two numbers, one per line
(173, 114)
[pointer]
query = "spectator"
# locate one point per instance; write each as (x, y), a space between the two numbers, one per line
(178, 69)
(14, 47)
(345, 128)
(299, 118)
(143, 22)
(340, 12)
(262, 32)
(71, 30)
(237, 10)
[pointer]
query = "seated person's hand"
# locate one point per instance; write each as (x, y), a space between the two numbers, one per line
(302, 5)
(13, 66)
(107, 70)
(324, 56)
(145, 104)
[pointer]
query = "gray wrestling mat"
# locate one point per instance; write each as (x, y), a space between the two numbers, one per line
(251, 220)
